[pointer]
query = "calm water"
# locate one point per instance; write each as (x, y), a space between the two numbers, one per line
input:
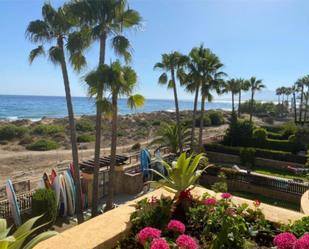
(36, 107)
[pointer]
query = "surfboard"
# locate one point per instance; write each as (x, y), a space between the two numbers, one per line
(53, 175)
(46, 180)
(70, 177)
(13, 203)
(145, 161)
(69, 194)
(63, 196)
(56, 188)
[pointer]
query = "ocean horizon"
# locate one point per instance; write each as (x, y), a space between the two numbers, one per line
(16, 107)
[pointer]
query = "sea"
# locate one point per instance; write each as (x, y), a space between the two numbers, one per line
(15, 107)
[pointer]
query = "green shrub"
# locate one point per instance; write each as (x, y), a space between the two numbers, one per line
(282, 145)
(27, 139)
(272, 128)
(274, 135)
(260, 135)
(136, 146)
(85, 138)
(9, 132)
(239, 133)
(156, 123)
(85, 126)
(206, 121)
(216, 117)
(142, 123)
(47, 129)
(4, 142)
(121, 133)
(299, 227)
(43, 145)
(289, 129)
(221, 185)
(247, 156)
(44, 202)
(263, 153)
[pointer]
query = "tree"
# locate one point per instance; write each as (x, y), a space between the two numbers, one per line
(295, 89)
(172, 62)
(301, 83)
(255, 86)
(55, 27)
(279, 93)
(106, 20)
(243, 86)
(231, 86)
(168, 136)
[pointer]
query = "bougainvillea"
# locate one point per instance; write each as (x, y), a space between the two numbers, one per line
(285, 240)
(186, 242)
(147, 234)
(302, 243)
(176, 226)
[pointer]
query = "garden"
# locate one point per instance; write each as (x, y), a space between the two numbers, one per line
(187, 222)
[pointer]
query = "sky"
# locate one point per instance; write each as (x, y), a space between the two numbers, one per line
(268, 39)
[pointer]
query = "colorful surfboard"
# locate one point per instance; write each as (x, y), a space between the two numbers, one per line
(56, 187)
(63, 196)
(46, 180)
(13, 203)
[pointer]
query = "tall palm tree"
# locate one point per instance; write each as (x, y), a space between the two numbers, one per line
(231, 86)
(243, 87)
(255, 86)
(120, 81)
(295, 89)
(288, 92)
(55, 29)
(301, 86)
(171, 63)
(107, 21)
(279, 93)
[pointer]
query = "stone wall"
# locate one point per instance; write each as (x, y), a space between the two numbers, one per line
(215, 157)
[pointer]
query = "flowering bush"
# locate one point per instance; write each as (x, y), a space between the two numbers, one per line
(147, 234)
(176, 226)
(285, 241)
(186, 242)
(211, 201)
(302, 243)
(159, 244)
(226, 195)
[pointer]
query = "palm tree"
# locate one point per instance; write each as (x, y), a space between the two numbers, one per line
(279, 93)
(172, 62)
(106, 20)
(255, 85)
(231, 86)
(168, 136)
(295, 89)
(243, 86)
(301, 86)
(288, 92)
(55, 28)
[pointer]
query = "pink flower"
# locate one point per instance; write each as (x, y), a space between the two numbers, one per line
(186, 242)
(226, 195)
(257, 203)
(176, 226)
(159, 244)
(285, 241)
(153, 200)
(302, 243)
(231, 211)
(148, 234)
(211, 201)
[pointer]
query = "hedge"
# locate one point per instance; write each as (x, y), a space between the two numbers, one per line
(263, 153)
(9, 132)
(274, 135)
(47, 129)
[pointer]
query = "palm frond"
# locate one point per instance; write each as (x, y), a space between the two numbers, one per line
(121, 46)
(38, 31)
(55, 54)
(35, 53)
(135, 101)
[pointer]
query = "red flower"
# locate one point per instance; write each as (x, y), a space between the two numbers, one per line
(153, 200)
(211, 201)
(186, 194)
(257, 203)
(285, 241)
(302, 243)
(186, 242)
(159, 244)
(226, 195)
(148, 234)
(176, 226)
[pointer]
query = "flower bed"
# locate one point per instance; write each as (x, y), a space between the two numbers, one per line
(218, 223)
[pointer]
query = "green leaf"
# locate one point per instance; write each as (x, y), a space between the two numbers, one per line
(39, 238)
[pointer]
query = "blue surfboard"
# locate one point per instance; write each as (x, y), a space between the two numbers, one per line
(145, 162)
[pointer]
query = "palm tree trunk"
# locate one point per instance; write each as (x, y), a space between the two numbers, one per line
(251, 107)
(193, 116)
(200, 137)
(79, 208)
(301, 104)
(295, 107)
(95, 187)
(110, 197)
(306, 106)
(177, 110)
(233, 106)
(239, 101)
